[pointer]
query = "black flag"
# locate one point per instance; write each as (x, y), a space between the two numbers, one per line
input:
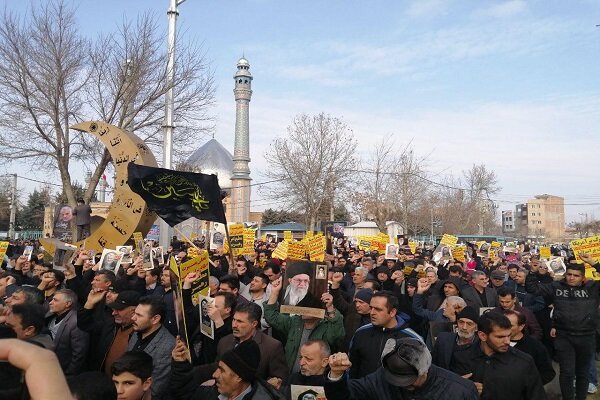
(176, 196)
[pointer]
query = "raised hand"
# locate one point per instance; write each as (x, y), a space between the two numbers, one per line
(339, 363)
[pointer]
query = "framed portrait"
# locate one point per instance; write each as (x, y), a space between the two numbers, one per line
(303, 284)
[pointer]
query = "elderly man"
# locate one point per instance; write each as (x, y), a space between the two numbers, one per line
(450, 346)
(301, 328)
(405, 372)
(235, 376)
(313, 361)
(70, 342)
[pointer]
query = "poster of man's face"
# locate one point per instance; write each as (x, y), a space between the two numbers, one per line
(157, 256)
(110, 260)
(303, 285)
(126, 251)
(557, 265)
(62, 228)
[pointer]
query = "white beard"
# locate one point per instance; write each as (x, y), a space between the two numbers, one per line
(295, 295)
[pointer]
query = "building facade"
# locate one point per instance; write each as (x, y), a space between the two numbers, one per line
(508, 221)
(546, 217)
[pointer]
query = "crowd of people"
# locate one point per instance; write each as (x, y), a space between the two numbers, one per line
(402, 328)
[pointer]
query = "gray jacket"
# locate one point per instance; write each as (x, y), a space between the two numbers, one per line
(71, 344)
(160, 348)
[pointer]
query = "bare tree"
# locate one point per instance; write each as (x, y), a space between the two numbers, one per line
(481, 183)
(392, 185)
(311, 162)
(52, 77)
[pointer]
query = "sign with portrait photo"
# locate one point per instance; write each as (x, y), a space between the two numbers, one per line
(207, 325)
(127, 254)
(110, 260)
(556, 265)
(302, 392)
(63, 223)
(303, 285)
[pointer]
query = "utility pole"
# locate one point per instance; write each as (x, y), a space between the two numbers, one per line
(432, 237)
(172, 13)
(13, 208)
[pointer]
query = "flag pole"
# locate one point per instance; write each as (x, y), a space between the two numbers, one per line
(192, 243)
(232, 270)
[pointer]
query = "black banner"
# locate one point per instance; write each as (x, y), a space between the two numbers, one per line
(176, 196)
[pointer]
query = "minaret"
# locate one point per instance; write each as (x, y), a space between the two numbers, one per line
(240, 180)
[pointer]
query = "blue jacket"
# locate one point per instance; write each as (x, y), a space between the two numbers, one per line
(368, 343)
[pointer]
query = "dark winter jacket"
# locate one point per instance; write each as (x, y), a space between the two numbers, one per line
(185, 387)
(538, 352)
(511, 375)
(368, 343)
(440, 384)
(100, 325)
(352, 319)
(575, 308)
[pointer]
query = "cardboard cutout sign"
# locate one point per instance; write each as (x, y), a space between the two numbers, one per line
(303, 285)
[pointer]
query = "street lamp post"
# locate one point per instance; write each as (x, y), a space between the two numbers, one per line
(172, 13)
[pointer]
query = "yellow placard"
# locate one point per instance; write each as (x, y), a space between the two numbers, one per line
(412, 246)
(200, 265)
(287, 235)
(296, 251)
(309, 234)
(316, 248)
(173, 266)
(545, 252)
(236, 229)
(249, 235)
(459, 253)
(364, 243)
(589, 245)
(491, 254)
(449, 240)
(3, 248)
(193, 252)
(281, 251)
(496, 245)
(138, 238)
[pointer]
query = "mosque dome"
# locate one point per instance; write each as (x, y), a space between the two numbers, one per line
(243, 62)
(213, 158)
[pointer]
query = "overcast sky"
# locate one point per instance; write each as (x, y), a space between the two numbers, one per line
(511, 84)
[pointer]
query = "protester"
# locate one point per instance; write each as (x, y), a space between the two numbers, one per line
(450, 347)
(498, 370)
(521, 340)
(70, 342)
(154, 339)
(574, 320)
(132, 375)
(235, 376)
(368, 341)
(301, 328)
(405, 372)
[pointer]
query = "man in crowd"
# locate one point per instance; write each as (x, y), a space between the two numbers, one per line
(123, 309)
(154, 339)
(521, 340)
(246, 327)
(480, 295)
(368, 341)
(356, 314)
(235, 376)
(507, 299)
(498, 370)
(300, 328)
(405, 371)
(70, 342)
(450, 347)
(132, 375)
(27, 322)
(313, 361)
(574, 319)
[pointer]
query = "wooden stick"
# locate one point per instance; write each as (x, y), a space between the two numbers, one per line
(232, 270)
(196, 247)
